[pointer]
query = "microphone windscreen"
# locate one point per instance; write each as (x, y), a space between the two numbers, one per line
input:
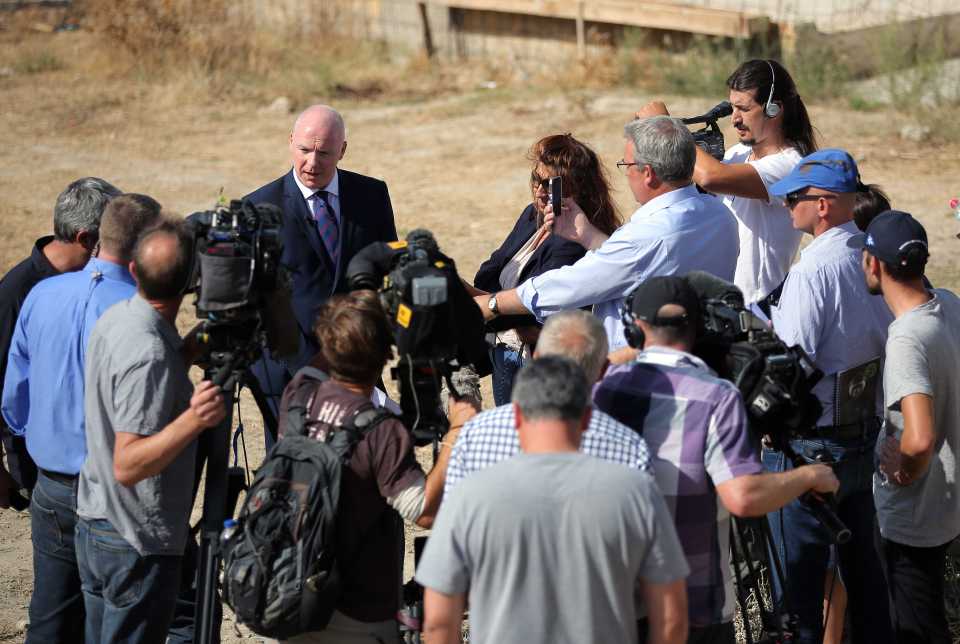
(711, 287)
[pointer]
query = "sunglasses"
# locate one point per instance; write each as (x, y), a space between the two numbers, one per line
(792, 199)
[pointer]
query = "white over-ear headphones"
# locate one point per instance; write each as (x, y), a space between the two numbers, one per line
(771, 109)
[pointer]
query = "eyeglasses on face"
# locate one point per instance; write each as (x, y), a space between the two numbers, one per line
(624, 166)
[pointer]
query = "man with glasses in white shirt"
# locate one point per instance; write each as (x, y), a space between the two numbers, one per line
(676, 230)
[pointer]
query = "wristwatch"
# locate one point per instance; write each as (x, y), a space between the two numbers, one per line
(492, 305)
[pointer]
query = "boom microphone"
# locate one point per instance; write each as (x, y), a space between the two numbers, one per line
(719, 111)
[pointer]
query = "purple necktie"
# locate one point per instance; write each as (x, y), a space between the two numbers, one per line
(326, 222)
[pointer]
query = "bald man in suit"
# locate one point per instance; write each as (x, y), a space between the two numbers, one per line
(329, 214)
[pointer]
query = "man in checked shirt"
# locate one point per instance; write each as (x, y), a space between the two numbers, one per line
(491, 437)
(702, 456)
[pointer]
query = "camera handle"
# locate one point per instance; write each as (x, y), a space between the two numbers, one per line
(822, 506)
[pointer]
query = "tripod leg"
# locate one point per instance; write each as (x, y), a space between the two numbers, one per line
(215, 496)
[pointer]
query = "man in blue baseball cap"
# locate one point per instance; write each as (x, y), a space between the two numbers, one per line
(915, 484)
(824, 307)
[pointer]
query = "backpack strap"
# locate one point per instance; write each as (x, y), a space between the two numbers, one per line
(299, 405)
(363, 421)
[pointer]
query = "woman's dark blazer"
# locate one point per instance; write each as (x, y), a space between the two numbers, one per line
(553, 253)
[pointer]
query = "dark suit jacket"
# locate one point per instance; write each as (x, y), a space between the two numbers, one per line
(366, 216)
(552, 253)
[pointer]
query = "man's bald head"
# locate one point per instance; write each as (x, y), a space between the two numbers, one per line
(317, 143)
(162, 260)
(321, 117)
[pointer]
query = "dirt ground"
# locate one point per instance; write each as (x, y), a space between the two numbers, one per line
(455, 164)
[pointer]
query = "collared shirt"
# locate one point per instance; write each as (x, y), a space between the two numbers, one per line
(43, 387)
(826, 309)
(332, 197)
(672, 234)
(491, 437)
(136, 383)
(696, 427)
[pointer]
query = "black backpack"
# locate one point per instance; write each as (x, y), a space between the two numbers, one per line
(281, 575)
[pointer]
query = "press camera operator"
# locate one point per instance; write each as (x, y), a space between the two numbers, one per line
(702, 456)
(143, 416)
(774, 132)
(826, 309)
(383, 481)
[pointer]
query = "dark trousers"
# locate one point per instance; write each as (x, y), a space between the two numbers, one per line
(56, 606)
(712, 634)
(129, 597)
(915, 587)
(804, 546)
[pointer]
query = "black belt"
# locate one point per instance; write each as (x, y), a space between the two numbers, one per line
(67, 479)
(845, 432)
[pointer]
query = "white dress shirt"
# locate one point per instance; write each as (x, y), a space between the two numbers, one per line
(826, 309)
(672, 234)
(333, 195)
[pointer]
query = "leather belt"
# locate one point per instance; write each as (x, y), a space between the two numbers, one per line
(66, 479)
(848, 431)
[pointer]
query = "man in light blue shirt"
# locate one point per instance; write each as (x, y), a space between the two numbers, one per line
(824, 307)
(676, 230)
(43, 401)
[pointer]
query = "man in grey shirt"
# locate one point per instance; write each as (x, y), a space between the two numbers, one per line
(142, 420)
(552, 543)
(915, 486)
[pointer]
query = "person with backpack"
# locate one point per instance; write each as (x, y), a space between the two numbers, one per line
(380, 482)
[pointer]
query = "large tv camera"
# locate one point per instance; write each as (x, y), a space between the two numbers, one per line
(775, 380)
(437, 327)
(243, 293)
(243, 302)
(710, 138)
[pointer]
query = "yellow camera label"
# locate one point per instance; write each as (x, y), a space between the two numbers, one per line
(404, 314)
(397, 245)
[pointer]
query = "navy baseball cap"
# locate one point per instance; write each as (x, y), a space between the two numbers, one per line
(830, 169)
(651, 295)
(894, 237)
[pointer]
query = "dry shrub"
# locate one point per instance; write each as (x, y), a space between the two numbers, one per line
(212, 35)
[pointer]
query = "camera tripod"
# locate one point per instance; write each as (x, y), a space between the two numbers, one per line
(753, 552)
(230, 371)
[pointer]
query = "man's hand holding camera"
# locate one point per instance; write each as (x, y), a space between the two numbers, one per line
(206, 404)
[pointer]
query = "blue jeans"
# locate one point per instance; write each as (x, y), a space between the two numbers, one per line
(128, 597)
(506, 364)
(56, 606)
(804, 546)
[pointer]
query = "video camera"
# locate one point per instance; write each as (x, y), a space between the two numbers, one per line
(710, 138)
(243, 293)
(437, 327)
(776, 381)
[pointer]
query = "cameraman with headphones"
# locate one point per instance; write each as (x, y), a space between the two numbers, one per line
(775, 133)
(695, 423)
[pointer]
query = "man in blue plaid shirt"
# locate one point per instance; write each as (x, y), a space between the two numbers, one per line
(491, 437)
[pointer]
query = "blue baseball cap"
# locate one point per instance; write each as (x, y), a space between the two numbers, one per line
(830, 169)
(896, 238)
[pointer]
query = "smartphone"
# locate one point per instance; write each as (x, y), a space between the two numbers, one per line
(556, 195)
